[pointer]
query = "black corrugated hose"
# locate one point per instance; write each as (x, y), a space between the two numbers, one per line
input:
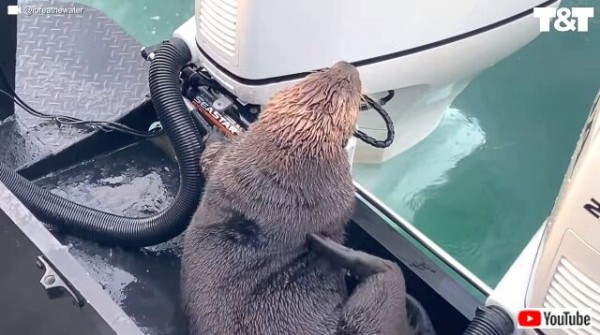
(106, 228)
(490, 320)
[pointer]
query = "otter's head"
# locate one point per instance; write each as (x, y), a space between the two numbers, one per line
(318, 113)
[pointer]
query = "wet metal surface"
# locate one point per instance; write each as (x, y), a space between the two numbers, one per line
(23, 239)
(18, 147)
(86, 66)
(82, 65)
(136, 181)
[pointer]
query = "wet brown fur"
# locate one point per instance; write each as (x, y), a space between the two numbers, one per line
(213, 145)
(247, 268)
(316, 116)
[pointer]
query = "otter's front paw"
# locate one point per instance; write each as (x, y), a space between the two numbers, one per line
(214, 143)
(215, 135)
(358, 263)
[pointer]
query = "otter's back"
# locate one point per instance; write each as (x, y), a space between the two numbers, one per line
(246, 284)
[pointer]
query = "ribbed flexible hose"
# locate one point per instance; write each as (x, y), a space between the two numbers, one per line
(490, 320)
(106, 228)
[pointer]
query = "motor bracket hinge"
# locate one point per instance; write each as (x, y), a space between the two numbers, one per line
(55, 285)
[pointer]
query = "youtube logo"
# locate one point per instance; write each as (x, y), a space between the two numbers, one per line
(530, 318)
(555, 318)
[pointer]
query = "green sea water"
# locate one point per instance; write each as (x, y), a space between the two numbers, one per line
(482, 184)
(484, 181)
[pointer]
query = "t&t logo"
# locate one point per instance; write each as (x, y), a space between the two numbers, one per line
(574, 19)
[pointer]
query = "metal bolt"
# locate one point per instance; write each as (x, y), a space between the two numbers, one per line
(39, 264)
(49, 280)
(221, 104)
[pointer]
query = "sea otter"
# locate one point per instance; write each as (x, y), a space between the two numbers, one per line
(250, 263)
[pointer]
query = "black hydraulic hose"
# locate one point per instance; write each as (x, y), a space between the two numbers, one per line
(388, 124)
(490, 320)
(106, 228)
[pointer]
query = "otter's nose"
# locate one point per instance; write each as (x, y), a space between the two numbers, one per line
(348, 70)
(345, 66)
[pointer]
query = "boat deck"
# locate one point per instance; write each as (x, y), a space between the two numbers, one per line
(86, 66)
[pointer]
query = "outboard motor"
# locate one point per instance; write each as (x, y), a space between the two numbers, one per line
(255, 48)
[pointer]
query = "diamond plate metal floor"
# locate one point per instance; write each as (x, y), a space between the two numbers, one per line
(81, 65)
(86, 66)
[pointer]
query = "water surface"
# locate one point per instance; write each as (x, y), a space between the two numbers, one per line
(485, 180)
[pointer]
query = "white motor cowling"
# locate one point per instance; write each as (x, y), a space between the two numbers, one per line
(426, 51)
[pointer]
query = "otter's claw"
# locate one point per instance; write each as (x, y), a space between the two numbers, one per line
(360, 264)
